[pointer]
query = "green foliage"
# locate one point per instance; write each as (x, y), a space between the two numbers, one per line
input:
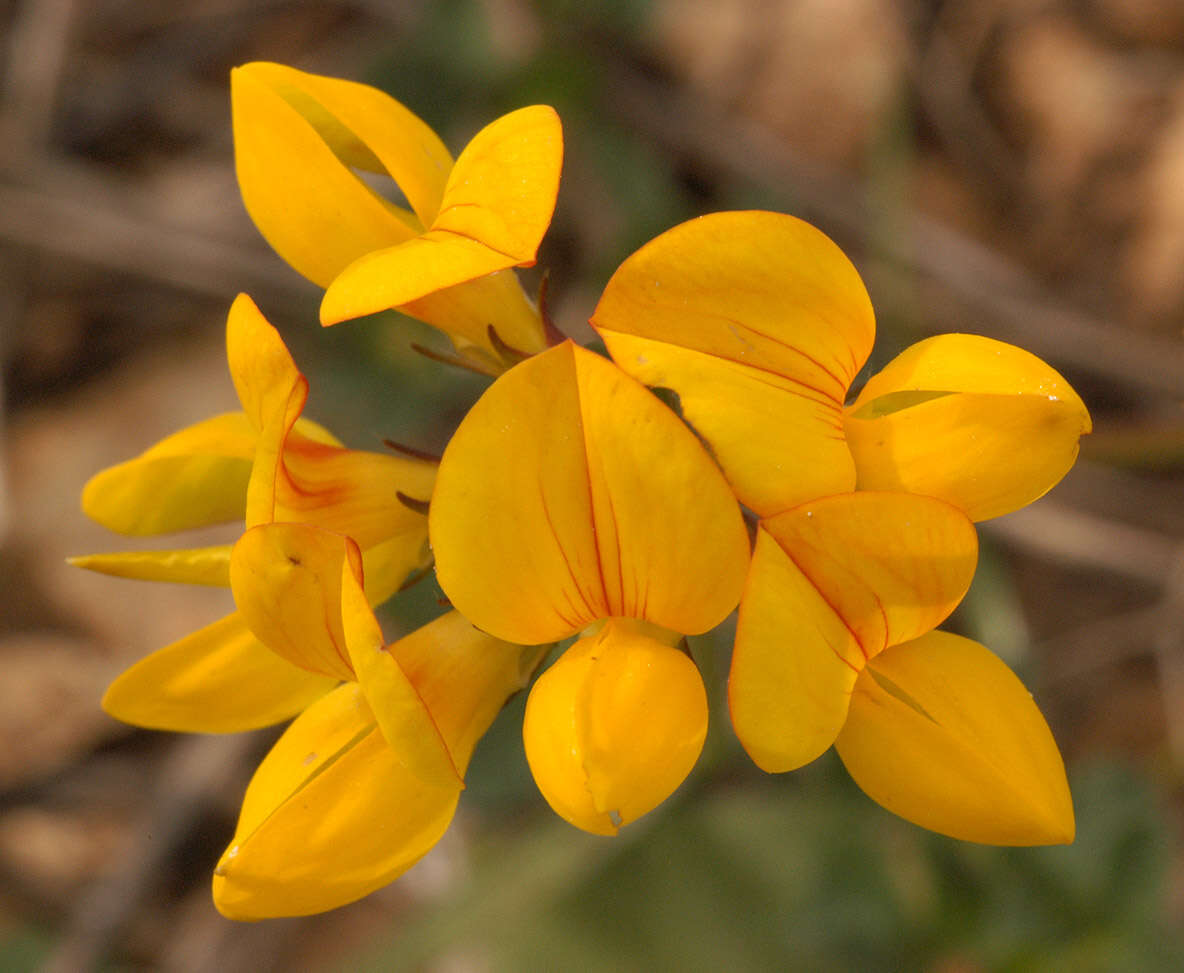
(24, 948)
(743, 872)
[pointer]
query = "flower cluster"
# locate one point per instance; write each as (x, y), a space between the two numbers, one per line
(573, 502)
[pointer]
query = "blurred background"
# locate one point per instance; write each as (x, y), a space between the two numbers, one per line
(1008, 167)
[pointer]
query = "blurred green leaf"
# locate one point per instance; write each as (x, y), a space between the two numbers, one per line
(23, 948)
(803, 872)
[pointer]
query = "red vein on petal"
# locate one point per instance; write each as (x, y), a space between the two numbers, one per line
(841, 383)
(824, 398)
(575, 371)
(847, 625)
(592, 613)
(514, 258)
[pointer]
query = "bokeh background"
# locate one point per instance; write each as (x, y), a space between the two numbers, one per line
(1008, 167)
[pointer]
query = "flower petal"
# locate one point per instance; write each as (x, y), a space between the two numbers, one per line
(942, 733)
(193, 478)
(219, 679)
(405, 721)
(464, 677)
(570, 494)
(834, 582)
(204, 565)
(495, 210)
(759, 323)
(261, 367)
(388, 566)
(286, 580)
(272, 392)
(467, 311)
(331, 815)
(353, 492)
(301, 479)
(982, 424)
(430, 278)
(400, 274)
(613, 728)
(367, 129)
(316, 214)
(892, 565)
(510, 518)
(793, 665)
(502, 190)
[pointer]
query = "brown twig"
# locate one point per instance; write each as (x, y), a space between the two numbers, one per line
(1169, 655)
(37, 44)
(1059, 532)
(86, 218)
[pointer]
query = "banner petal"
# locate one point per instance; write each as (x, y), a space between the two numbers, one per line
(502, 190)
(367, 129)
(496, 208)
(511, 516)
(672, 544)
(570, 494)
(893, 565)
(272, 392)
(760, 324)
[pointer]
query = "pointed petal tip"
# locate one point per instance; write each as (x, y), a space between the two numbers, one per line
(330, 313)
(1062, 831)
(943, 734)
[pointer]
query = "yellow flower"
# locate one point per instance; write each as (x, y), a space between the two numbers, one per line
(835, 645)
(760, 324)
(366, 780)
(570, 497)
(264, 463)
(300, 140)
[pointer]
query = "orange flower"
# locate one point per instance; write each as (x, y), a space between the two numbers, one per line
(835, 644)
(366, 780)
(760, 324)
(264, 463)
(444, 258)
(571, 500)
